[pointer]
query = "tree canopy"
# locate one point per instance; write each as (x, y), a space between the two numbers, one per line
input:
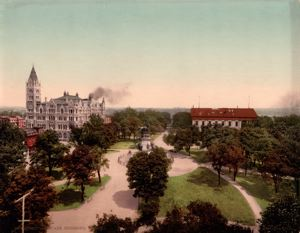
(38, 203)
(148, 173)
(78, 167)
(182, 120)
(49, 151)
(282, 216)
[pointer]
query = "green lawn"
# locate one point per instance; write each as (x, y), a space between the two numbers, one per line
(128, 144)
(69, 196)
(201, 184)
(199, 156)
(262, 189)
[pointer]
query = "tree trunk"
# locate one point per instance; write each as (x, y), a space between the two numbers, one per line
(235, 171)
(219, 177)
(82, 192)
(246, 168)
(275, 180)
(99, 177)
(49, 166)
(297, 186)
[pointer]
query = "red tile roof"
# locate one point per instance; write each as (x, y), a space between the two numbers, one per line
(223, 114)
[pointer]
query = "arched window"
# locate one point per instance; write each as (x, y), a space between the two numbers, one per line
(61, 110)
(41, 110)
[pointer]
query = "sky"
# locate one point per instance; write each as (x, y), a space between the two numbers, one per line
(169, 53)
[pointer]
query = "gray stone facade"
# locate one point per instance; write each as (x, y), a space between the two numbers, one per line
(59, 113)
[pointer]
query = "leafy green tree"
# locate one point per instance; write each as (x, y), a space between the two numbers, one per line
(49, 151)
(148, 174)
(12, 148)
(216, 133)
(75, 136)
(113, 224)
(182, 120)
(184, 138)
(257, 143)
(148, 211)
(276, 165)
(282, 216)
(200, 217)
(78, 167)
(99, 160)
(38, 203)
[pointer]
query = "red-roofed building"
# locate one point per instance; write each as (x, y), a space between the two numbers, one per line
(231, 117)
(15, 120)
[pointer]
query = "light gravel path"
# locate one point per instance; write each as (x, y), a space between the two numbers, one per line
(250, 199)
(114, 198)
(184, 164)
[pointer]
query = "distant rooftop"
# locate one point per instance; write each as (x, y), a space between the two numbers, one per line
(223, 113)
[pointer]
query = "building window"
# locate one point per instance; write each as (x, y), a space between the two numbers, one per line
(216, 122)
(223, 123)
(196, 122)
(236, 123)
(229, 123)
(61, 111)
(41, 110)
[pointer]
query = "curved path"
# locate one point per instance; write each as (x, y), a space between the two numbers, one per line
(115, 198)
(182, 164)
(250, 199)
(184, 161)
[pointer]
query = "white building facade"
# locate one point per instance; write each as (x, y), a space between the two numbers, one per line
(60, 113)
(227, 117)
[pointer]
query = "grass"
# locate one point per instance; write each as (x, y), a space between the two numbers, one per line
(201, 184)
(128, 144)
(69, 196)
(261, 189)
(199, 156)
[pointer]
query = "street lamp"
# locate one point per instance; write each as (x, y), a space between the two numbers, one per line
(23, 208)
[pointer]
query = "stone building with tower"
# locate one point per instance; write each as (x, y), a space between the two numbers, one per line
(59, 113)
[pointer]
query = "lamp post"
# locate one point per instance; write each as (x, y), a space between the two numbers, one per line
(23, 208)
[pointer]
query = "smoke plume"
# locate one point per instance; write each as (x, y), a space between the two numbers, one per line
(291, 101)
(113, 96)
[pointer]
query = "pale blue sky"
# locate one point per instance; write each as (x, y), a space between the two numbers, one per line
(169, 53)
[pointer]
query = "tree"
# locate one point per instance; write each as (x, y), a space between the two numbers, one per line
(183, 138)
(200, 217)
(148, 211)
(235, 157)
(38, 203)
(282, 216)
(113, 224)
(148, 173)
(275, 164)
(79, 166)
(99, 160)
(218, 154)
(257, 143)
(182, 120)
(12, 148)
(49, 151)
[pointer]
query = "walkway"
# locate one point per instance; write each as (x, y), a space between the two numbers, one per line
(250, 199)
(186, 164)
(115, 198)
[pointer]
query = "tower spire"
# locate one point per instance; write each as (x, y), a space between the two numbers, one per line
(33, 75)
